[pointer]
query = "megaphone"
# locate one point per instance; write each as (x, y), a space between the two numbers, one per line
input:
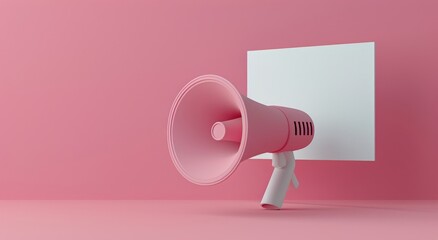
(212, 128)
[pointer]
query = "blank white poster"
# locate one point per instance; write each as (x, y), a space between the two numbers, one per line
(334, 84)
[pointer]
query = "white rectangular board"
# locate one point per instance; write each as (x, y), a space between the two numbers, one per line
(334, 84)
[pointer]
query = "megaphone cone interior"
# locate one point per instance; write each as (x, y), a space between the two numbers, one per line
(212, 128)
(204, 102)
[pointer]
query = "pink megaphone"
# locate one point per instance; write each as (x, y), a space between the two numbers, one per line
(212, 128)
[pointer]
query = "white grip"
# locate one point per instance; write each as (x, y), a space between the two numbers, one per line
(284, 166)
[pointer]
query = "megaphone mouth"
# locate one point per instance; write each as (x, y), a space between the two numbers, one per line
(203, 102)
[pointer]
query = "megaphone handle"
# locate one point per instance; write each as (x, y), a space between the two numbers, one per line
(283, 174)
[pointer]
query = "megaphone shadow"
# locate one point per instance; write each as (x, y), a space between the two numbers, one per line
(303, 210)
(289, 210)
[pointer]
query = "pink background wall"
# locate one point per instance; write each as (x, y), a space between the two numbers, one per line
(86, 87)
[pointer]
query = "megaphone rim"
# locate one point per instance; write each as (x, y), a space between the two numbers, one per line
(193, 83)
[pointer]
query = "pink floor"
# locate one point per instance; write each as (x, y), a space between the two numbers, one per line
(217, 220)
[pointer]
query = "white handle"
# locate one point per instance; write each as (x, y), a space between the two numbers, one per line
(284, 167)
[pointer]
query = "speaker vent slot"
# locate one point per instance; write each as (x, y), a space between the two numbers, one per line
(295, 125)
(311, 128)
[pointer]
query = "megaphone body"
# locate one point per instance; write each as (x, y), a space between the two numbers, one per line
(212, 128)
